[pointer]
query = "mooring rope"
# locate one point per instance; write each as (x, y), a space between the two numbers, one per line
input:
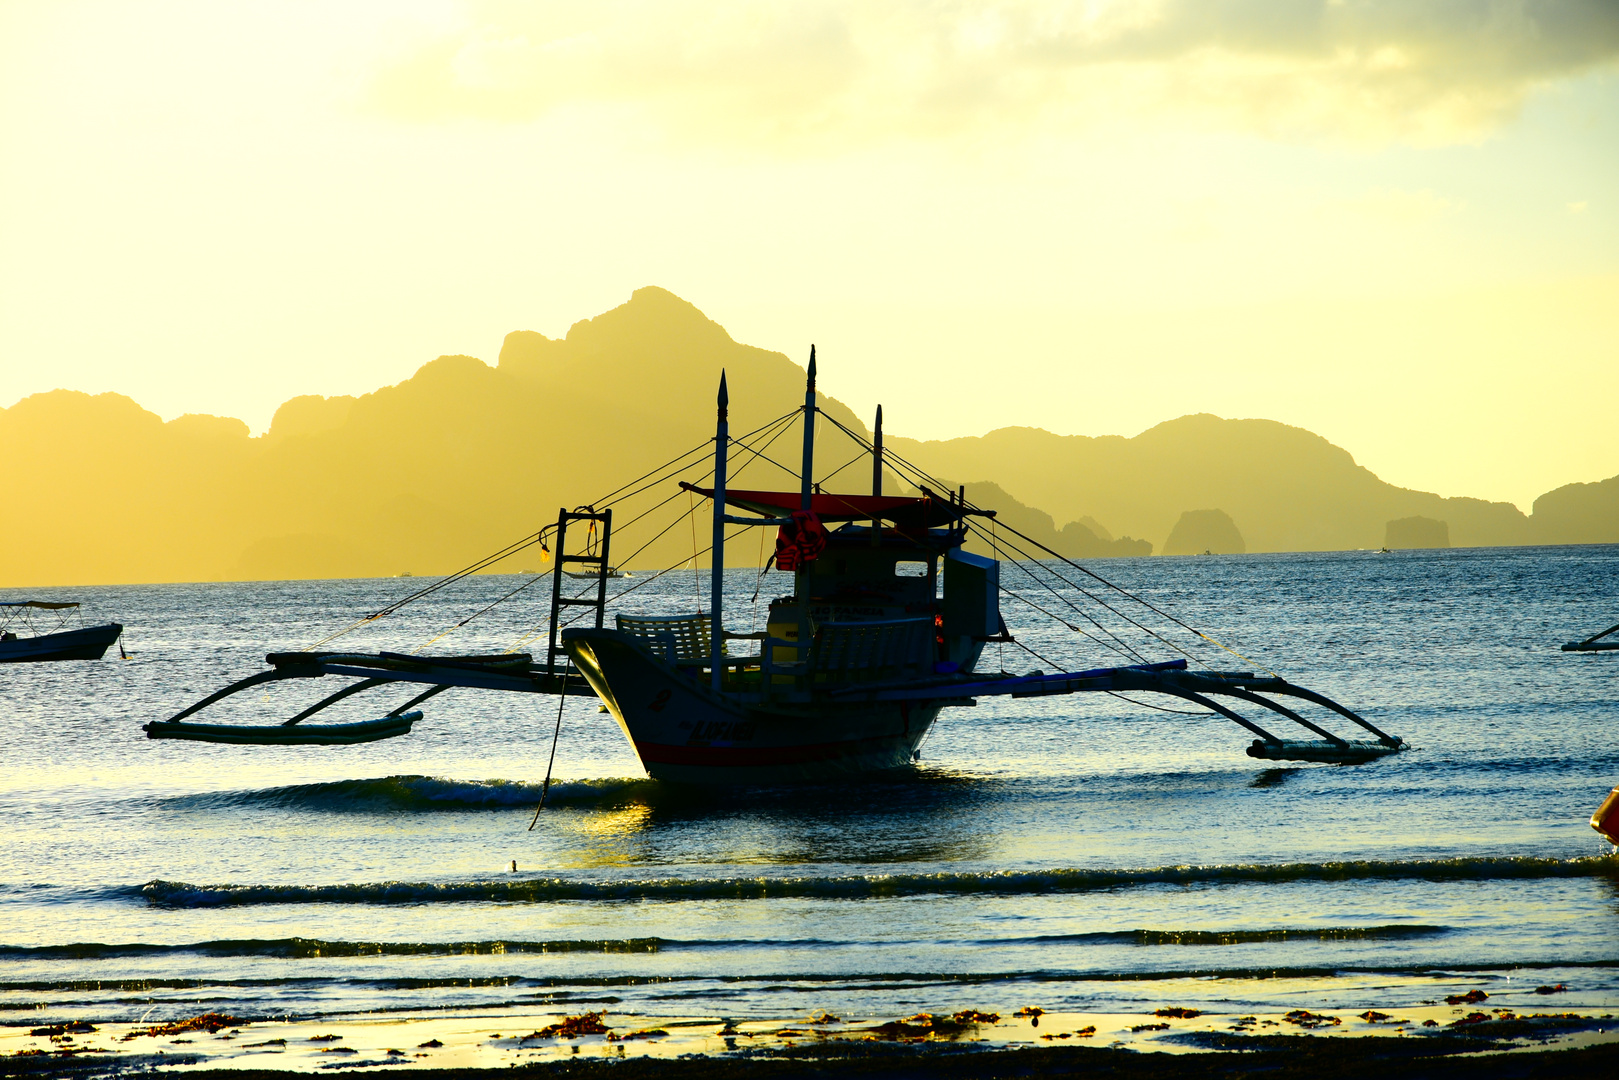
(556, 736)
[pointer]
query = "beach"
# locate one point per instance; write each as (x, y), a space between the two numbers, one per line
(1167, 1042)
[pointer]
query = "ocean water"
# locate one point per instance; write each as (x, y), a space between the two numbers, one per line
(1077, 853)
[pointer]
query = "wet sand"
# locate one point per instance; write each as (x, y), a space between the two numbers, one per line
(1468, 1038)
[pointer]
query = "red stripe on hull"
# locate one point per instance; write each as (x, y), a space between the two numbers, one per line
(745, 756)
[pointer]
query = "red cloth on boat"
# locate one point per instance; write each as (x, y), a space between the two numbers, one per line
(799, 541)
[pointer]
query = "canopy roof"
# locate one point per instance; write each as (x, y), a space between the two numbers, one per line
(903, 511)
(48, 605)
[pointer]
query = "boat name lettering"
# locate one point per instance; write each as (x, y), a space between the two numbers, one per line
(708, 731)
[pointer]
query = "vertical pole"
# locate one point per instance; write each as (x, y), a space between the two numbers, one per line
(807, 474)
(716, 631)
(877, 474)
(603, 567)
(806, 480)
(877, 455)
(552, 649)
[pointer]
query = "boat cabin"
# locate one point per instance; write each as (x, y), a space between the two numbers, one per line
(891, 562)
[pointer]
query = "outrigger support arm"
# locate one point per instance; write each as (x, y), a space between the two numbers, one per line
(1172, 678)
(1277, 707)
(244, 684)
(512, 672)
(1282, 686)
(1215, 706)
(333, 699)
(1594, 643)
(419, 698)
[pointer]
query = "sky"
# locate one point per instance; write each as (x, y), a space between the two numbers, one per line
(1393, 222)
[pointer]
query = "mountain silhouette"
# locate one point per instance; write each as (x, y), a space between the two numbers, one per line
(1289, 489)
(463, 457)
(1205, 532)
(1416, 532)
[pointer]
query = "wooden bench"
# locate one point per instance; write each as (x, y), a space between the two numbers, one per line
(852, 652)
(679, 639)
(871, 651)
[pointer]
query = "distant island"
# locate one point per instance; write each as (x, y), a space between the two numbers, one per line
(456, 461)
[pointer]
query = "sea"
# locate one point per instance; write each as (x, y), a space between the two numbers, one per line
(1076, 853)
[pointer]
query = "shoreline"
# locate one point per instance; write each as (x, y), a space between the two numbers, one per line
(1170, 1041)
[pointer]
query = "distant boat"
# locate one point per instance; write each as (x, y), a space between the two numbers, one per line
(590, 575)
(1594, 643)
(83, 643)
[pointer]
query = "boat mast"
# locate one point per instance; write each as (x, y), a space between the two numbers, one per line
(877, 474)
(877, 455)
(806, 482)
(806, 474)
(716, 630)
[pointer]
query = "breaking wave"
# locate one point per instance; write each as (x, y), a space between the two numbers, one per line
(411, 793)
(300, 948)
(179, 894)
(1392, 932)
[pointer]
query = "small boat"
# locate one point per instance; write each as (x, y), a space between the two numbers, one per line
(593, 575)
(1594, 643)
(80, 643)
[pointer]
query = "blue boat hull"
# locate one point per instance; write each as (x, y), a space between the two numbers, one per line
(88, 643)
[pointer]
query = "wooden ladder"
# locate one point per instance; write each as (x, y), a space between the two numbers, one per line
(596, 555)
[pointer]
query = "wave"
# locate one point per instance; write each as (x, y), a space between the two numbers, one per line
(669, 985)
(300, 948)
(179, 894)
(410, 793)
(1393, 932)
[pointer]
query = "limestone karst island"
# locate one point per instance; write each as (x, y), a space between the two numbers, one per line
(466, 454)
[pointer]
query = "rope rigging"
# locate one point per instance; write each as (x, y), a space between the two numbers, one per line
(766, 433)
(752, 447)
(922, 480)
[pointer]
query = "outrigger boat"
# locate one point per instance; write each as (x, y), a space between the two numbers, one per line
(886, 627)
(1594, 643)
(80, 643)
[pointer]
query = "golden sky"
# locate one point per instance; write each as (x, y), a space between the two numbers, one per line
(1394, 222)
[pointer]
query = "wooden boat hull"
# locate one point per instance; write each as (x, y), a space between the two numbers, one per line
(86, 643)
(685, 733)
(282, 735)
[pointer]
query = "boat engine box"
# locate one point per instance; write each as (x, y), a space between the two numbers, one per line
(972, 588)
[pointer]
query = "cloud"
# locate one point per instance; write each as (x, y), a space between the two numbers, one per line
(1401, 207)
(846, 71)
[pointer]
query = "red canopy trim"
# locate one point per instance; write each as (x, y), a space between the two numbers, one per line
(906, 512)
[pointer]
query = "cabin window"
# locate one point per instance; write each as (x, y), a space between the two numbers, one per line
(910, 569)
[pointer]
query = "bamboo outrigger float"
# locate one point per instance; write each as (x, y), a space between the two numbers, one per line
(886, 627)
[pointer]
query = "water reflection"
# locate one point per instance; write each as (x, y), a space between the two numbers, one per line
(617, 837)
(925, 816)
